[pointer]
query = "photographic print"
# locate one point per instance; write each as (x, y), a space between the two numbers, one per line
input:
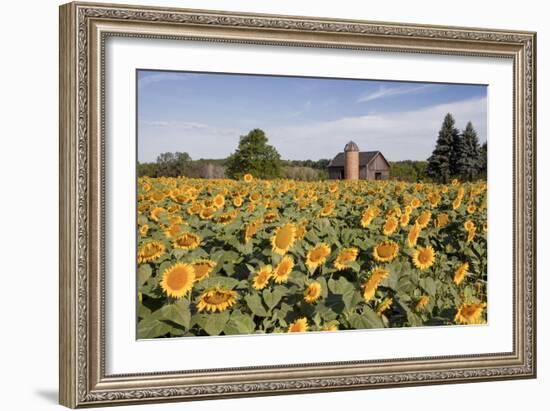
(280, 204)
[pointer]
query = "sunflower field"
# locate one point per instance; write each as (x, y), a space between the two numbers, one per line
(223, 257)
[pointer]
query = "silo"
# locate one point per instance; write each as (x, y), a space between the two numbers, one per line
(351, 161)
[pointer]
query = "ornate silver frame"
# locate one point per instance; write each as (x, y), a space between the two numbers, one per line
(83, 30)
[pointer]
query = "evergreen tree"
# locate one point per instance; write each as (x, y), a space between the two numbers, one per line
(471, 162)
(460, 159)
(254, 156)
(483, 160)
(439, 164)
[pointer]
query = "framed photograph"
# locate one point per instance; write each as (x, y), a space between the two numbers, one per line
(260, 204)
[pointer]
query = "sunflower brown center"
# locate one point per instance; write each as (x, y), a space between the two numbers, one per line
(385, 250)
(283, 268)
(217, 297)
(317, 254)
(178, 278)
(424, 256)
(283, 237)
(150, 250)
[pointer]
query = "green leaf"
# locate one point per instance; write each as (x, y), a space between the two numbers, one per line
(178, 313)
(405, 285)
(254, 302)
(151, 328)
(428, 284)
(239, 324)
(144, 273)
(272, 298)
(340, 286)
(225, 282)
(369, 319)
(213, 324)
(351, 299)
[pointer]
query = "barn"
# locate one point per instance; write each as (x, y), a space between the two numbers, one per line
(353, 164)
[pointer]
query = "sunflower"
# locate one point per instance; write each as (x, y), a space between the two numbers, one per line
(270, 217)
(203, 268)
(283, 239)
(404, 219)
(195, 208)
(327, 210)
(442, 220)
(143, 230)
(173, 231)
(216, 299)
(456, 203)
(384, 305)
(460, 273)
(421, 303)
(156, 212)
(434, 199)
(368, 215)
(312, 292)
(470, 313)
(175, 219)
(177, 280)
(298, 326)
(255, 197)
(150, 251)
(390, 226)
(283, 269)
(157, 196)
(415, 203)
(376, 276)
(301, 230)
(187, 241)
(469, 225)
(386, 251)
(471, 209)
(424, 219)
(237, 201)
(262, 277)
(251, 229)
(346, 256)
(471, 235)
(207, 212)
(317, 256)
(333, 326)
(484, 227)
(145, 186)
(413, 235)
(218, 201)
(225, 218)
(248, 178)
(423, 258)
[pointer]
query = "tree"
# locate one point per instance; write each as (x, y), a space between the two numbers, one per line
(439, 164)
(483, 160)
(254, 156)
(470, 164)
(460, 160)
(173, 164)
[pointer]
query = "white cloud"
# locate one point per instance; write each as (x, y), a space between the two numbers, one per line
(198, 139)
(182, 125)
(385, 91)
(399, 135)
(165, 76)
(305, 108)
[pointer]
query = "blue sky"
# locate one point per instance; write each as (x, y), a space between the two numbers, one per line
(304, 118)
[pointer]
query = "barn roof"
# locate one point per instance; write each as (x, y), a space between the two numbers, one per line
(365, 157)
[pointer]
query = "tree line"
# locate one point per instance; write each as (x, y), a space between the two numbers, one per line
(253, 155)
(457, 154)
